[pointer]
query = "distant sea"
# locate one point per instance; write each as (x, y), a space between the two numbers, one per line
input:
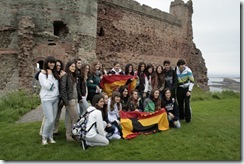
(217, 81)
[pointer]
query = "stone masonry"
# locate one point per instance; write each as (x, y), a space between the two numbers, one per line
(110, 30)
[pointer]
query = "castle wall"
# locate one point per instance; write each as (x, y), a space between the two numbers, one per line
(34, 29)
(130, 33)
(110, 30)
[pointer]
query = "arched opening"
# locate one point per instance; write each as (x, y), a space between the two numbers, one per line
(39, 64)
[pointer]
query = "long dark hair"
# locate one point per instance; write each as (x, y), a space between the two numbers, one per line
(61, 65)
(114, 94)
(157, 101)
(96, 99)
(72, 75)
(127, 70)
(121, 90)
(148, 67)
(82, 71)
(78, 71)
(139, 68)
(50, 59)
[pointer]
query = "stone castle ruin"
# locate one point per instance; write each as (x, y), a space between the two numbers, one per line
(108, 30)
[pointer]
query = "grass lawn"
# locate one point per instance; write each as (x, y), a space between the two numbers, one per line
(213, 134)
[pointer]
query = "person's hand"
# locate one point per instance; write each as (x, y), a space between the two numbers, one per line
(91, 81)
(171, 115)
(137, 110)
(188, 93)
(144, 95)
(49, 71)
(62, 73)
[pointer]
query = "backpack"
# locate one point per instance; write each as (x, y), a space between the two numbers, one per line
(79, 128)
(36, 76)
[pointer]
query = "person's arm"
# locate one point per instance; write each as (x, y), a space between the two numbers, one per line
(149, 106)
(79, 88)
(146, 84)
(46, 81)
(99, 123)
(175, 80)
(63, 89)
(191, 78)
(90, 82)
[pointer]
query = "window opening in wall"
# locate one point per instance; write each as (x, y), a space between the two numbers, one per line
(101, 32)
(60, 29)
(39, 64)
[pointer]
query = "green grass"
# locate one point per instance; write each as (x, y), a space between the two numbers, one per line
(213, 134)
(16, 104)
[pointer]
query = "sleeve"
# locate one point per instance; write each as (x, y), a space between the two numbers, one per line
(176, 111)
(191, 78)
(99, 123)
(63, 88)
(175, 80)
(89, 84)
(146, 84)
(46, 82)
(140, 106)
(79, 88)
(149, 106)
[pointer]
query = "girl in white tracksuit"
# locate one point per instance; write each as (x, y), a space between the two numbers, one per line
(96, 136)
(49, 95)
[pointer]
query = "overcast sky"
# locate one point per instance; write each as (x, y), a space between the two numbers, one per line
(216, 32)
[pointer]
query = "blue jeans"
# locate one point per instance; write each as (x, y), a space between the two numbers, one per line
(50, 108)
(83, 106)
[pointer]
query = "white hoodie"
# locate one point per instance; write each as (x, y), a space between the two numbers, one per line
(49, 87)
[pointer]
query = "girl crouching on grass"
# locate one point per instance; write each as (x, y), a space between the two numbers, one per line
(96, 135)
(171, 107)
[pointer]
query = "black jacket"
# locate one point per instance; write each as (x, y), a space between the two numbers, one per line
(170, 79)
(66, 88)
(172, 107)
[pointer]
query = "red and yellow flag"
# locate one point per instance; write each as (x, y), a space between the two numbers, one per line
(111, 83)
(135, 123)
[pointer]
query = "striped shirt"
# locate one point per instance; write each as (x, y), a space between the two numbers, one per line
(185, 78)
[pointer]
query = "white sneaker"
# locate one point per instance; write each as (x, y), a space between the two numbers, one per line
(51, 140)
(116, 136)
(44, 141)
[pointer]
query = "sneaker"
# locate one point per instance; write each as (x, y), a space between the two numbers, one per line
(44, 141)
(84, 145)
(116, 136)
(51, 140)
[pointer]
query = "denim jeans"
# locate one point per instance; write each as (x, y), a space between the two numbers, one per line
(49, 108)
(83, 106)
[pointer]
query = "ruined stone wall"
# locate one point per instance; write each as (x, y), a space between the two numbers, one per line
(130, 33)
(110, 30)
(34, 29)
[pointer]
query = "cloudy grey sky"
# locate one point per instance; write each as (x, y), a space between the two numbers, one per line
(216, 32)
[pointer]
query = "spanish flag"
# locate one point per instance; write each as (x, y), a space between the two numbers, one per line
(135, 123)
(111, 83)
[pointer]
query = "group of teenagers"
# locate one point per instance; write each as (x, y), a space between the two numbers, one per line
(76, 86)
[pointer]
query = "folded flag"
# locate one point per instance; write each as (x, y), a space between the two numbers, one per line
(135, 123)
(111, 83)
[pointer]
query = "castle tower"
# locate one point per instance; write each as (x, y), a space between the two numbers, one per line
(184, 12)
